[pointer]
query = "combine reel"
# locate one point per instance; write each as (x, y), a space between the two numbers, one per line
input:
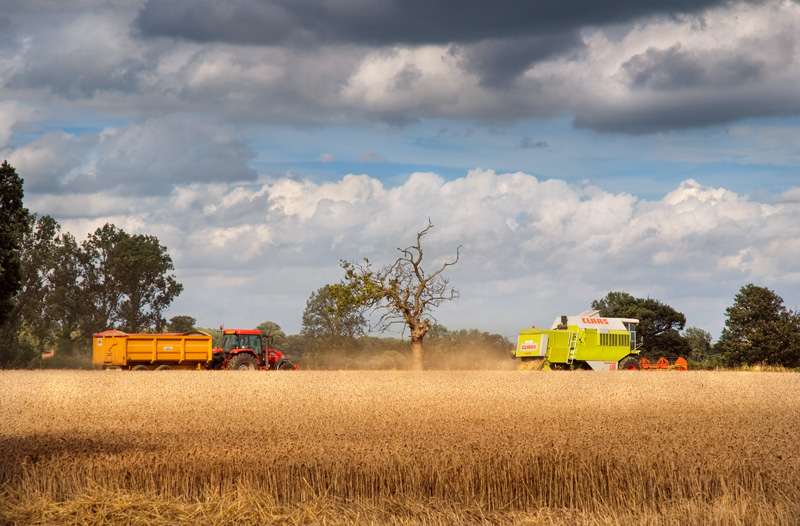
(677, 363)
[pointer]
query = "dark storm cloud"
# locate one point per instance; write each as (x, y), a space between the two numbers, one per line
(78, 75)
(675, 112)
(498, 62)
(496, 41)
(69, 52)
(676, 68)
(146, 158)
(677, 88)
(314, 62)
(389, 22)
(8, 38)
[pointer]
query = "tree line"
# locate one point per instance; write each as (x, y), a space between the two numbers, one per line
(759, 329)
(56, 292)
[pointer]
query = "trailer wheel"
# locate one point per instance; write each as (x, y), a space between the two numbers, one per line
(163, 368)
(140, 368)
(243, 362)
(629, 364)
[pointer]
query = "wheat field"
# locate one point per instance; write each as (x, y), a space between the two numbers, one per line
(399, 447)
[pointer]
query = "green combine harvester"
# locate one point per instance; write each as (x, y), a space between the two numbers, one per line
(588, 341)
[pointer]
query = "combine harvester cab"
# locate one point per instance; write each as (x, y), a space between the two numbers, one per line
(587, 341)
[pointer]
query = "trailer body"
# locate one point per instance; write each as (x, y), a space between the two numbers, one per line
(120, 350)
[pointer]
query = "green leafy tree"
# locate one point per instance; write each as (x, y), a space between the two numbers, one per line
(400, 293)
(181, 324)
(68, 291)
(125, 281)
(330, 327)
(760, 329)
(295, 346)
(659, 324)
(325, 318)
(43, 310)
(699, 342)
(141, 266)
(99, 290)
(64, 301)
(13, 225)
(273, 330)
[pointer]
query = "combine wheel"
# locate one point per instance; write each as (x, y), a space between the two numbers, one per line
(628, 364)
(140, 368)
(243, 362)
(163, 368)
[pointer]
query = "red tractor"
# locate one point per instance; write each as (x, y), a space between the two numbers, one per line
(244, 350)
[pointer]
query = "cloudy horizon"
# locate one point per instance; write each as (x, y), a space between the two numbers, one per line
(651, 149)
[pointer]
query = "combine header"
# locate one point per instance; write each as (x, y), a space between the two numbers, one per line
(588, 341)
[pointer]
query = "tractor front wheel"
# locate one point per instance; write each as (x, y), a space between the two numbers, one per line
(629, 364)
(286, 366)
(243, 362)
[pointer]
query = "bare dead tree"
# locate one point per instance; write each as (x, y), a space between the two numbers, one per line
(401, 293)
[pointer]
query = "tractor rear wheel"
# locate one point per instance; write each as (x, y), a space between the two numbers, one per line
(243, 362)
(629, 364)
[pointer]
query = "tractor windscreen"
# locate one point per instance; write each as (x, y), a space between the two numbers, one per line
(241, 341)
(230, 342)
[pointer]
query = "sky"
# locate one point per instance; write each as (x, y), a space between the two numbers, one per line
(569, 148)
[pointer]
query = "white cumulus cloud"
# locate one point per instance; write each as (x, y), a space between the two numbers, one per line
(530, 249)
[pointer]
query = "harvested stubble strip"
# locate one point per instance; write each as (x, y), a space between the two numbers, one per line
(249, 506)
(494, 478)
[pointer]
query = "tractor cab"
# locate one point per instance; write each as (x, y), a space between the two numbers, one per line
(234, 340)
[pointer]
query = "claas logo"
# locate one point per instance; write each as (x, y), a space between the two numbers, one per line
(529, 346)
(597, 321)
